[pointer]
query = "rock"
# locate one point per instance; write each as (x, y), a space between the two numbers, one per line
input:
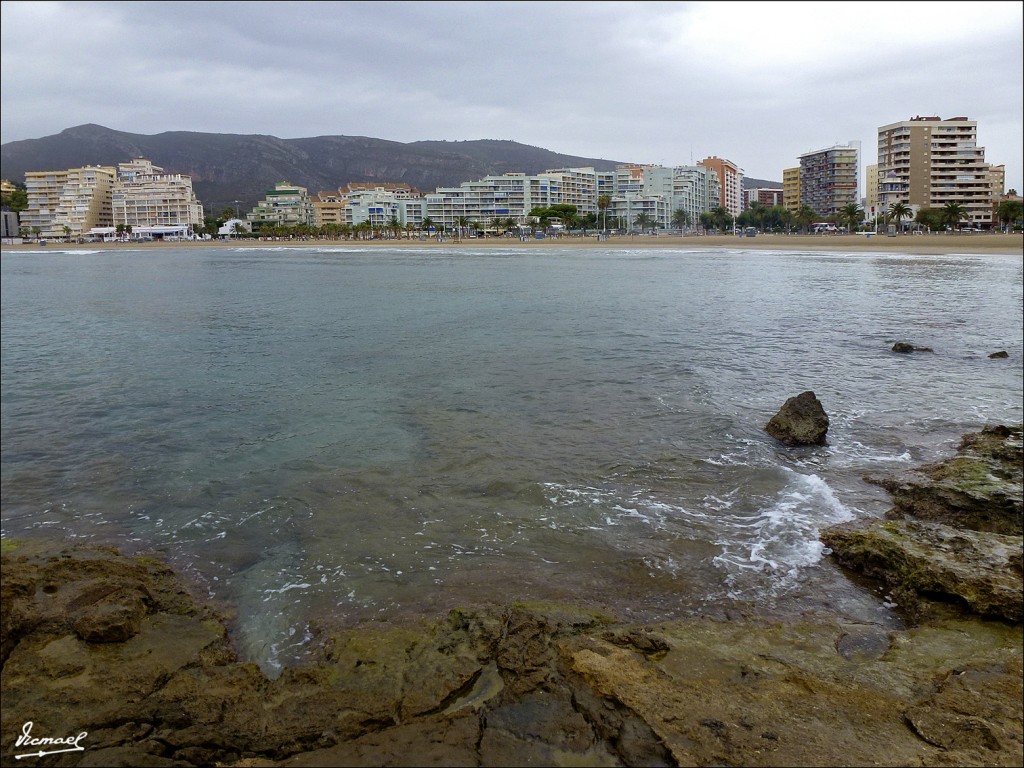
(800, 421)
(999, 355)
(981, 488)
(918, 558)
(954, 534)
(905, 348)
(529, 683)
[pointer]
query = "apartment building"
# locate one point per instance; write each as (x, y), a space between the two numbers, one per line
(828, 178)
(695, 189)
(329, 209)
(927, 162)
(766, 196)
(86, 201)
(67, 204)
(286, 205)
(146, 198)
(730, 177)
(791, 189)
(872, 210)
(42, 190)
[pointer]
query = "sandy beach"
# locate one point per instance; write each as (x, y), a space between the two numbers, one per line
(929, 244)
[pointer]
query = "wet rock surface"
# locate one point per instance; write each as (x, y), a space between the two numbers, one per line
(800, 421)
(530, 684)
(953, 539)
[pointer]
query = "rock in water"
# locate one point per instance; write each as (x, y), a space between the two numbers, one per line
(801, 421)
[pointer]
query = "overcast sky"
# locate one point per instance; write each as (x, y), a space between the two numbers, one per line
(654, 82)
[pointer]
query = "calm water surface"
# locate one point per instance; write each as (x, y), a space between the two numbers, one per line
(323, 436)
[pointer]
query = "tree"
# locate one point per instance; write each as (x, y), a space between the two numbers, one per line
(852, 215)
(952, 214)
(929, 218)
(603, 204)
(643, 221)
(1009, 212)
(17, 200)
(804, 217)
(899, 211)
(427, 224)
(680, 219)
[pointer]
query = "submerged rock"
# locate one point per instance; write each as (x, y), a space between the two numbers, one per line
(801, 421)
(1000, 355)
(905, 348)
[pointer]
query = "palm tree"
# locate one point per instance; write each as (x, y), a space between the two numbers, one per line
(804, 217)
(953, 214)
(603, 204)
(463, 222)
(643, 221)
(899, 211)
(853, 215)
(427, 224)
(680, 219)
(1009, 212)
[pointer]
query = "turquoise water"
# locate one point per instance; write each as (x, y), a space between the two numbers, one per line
(322, 436)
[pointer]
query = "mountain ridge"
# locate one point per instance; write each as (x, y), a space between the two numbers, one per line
(230, 168)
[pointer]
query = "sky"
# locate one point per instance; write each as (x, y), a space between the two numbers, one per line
(670, 83)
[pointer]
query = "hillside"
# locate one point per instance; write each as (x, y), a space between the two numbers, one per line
(231, 167)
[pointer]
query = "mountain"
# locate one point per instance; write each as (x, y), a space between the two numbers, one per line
(229, 167)
(749, 183)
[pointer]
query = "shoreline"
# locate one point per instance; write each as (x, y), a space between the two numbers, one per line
(929, 244)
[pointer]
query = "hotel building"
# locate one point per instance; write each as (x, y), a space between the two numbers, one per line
(927, 162)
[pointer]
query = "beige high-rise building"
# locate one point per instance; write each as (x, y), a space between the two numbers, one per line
(146, 197)
(730, 176)
(67, 204)
(871, 208)
(927, 162)
(791, 189)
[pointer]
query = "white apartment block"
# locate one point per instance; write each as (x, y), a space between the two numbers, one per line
(145, 197)
(927, 162)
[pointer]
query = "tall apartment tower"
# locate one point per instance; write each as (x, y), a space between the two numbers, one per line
(730, 176)
(927, 162)
(828, 178)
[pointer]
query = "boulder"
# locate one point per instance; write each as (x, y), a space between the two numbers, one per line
(801, 421)
(1001, 354)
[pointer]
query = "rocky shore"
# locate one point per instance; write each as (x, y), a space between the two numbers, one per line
(110, 659)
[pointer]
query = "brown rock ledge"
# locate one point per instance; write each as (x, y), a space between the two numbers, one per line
(531, 684)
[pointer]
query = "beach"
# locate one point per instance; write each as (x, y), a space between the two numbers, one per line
(927, 244)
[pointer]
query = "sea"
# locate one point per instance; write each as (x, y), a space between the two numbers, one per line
(320, 437)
